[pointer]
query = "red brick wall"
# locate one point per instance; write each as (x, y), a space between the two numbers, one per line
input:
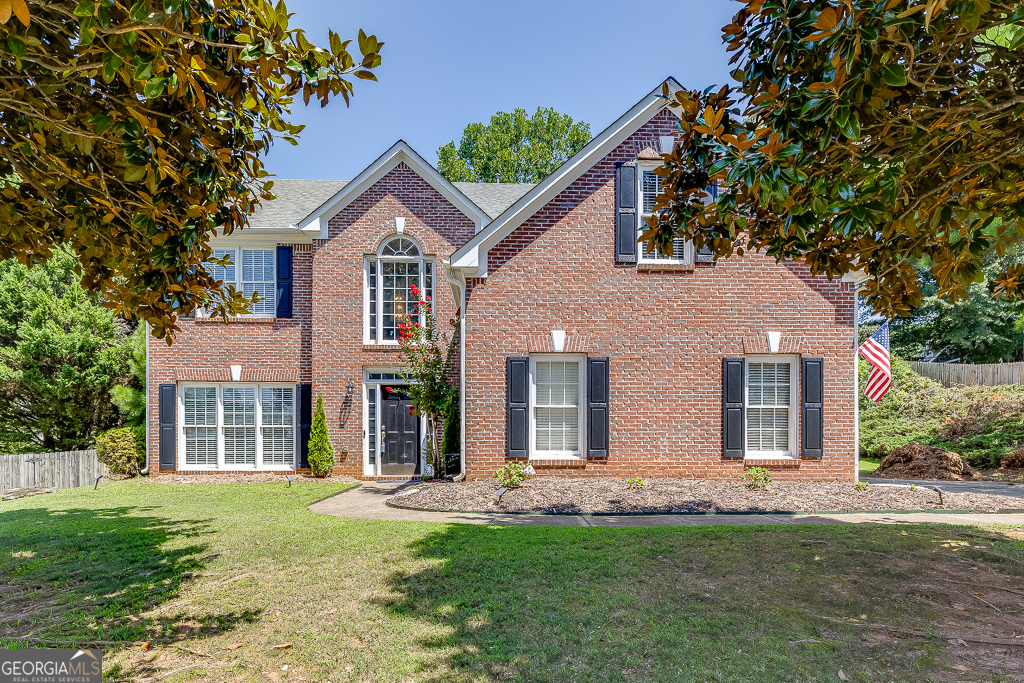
(262, 344)
(665, 333)
(337, 341)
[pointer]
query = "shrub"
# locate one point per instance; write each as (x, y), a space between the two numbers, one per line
(450, 444)
(321, 452)
(636, 483)
(513, 474)
(861, 485)
(756, 478)
(119, 450)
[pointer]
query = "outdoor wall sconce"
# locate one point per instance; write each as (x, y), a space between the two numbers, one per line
(350, 388)
(236, 373)
(400, 224)
(558, 340)
(773, 341)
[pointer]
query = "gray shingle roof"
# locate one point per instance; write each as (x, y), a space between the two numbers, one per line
(296, 199)
(494, 198)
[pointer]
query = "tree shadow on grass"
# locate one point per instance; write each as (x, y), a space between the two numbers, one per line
(672, 604)
(80, 576)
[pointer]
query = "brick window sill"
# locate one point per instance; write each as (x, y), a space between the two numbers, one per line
(381, 347)
(771, 462)
(559, 463)
(665, 267)
(238, 320)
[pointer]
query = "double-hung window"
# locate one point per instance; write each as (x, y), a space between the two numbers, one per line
(232, 426)
(771, 408)
(391, 275)
(557, 386)
(256, 275)
(650, 188)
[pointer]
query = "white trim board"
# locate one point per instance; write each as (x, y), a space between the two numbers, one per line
(400, 152)
(472, 257)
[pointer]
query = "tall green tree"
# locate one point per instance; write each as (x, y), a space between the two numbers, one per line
(873, 133)
(61, 353)
(513, 147)
(131, 131)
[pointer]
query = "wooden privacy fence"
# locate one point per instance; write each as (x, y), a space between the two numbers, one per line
(989, 375)
(64, 470)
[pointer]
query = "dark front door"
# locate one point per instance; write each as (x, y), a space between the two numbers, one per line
(401, 437)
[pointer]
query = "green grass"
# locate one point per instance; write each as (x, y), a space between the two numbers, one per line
(231, 571)
(868, 465)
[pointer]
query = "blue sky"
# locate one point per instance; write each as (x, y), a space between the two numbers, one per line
(450, 63)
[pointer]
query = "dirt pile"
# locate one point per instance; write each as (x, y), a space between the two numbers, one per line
(917, 461)
(1014, 460)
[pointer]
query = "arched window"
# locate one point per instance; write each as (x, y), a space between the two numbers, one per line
(390, 276)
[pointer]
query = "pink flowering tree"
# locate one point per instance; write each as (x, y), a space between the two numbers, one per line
(429, 352)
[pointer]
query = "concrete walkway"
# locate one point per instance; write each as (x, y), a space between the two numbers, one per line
(367, 502)
(996, 488)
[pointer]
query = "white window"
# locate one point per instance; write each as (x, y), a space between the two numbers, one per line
(556, 399)
(771, 405)
(650, 188)
(390, 277)
(237, 426)
(256, 275)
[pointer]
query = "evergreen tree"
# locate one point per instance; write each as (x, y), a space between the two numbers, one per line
(321, 452)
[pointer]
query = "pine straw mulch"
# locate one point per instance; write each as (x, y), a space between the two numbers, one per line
(563, 495)
(254, 478)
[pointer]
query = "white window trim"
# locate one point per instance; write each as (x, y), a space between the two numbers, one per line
(374, 470)
(423, 259)
(794, 392)
(580, 453)
(221, 465)
(237, 283)
(642, 256)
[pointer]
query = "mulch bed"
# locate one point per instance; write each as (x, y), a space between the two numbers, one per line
(254, 478)
(563, 495)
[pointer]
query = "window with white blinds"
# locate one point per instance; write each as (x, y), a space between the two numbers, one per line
(200, 425)
(256, 275)
(556, 410)
(770, 407)
(650, 188)
(278, 425)
(238, 427)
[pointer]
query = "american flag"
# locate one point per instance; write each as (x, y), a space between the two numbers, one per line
(876, 350)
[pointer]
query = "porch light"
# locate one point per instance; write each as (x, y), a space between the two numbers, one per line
(350, 388)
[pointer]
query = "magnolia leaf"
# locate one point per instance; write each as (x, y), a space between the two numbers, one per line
(5, 11)
(894, 75)
(20, 10)
(134, 174)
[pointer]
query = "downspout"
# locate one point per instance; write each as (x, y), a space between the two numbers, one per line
(145, 470)
(856, 380)
(458, 285)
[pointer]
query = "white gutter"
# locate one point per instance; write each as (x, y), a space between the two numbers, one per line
(856, 380)
(458, 285)
(145, 470)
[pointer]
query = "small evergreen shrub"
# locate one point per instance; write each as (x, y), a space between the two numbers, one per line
(512, 475)
(119, 450)
(321, 452)
(450, 444)
(756, 478)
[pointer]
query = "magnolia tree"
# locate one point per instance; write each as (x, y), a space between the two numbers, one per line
(429, 352)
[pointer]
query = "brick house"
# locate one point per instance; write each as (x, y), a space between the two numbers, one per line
(580, 351)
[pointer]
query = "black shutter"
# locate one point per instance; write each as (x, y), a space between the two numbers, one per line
(168, 429)
(812, 396)
(517, 373)
(625, 214)
(733, 407)
(597, 407)
(305, 396)
(284, 281)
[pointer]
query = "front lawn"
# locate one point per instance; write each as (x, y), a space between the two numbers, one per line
(868, 465)
(243, 583)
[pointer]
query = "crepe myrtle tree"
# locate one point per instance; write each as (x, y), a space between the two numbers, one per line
(134, 130)
(429, 353)
(873, 135)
